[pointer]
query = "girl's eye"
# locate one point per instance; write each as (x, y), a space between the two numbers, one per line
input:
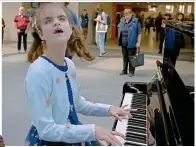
(48, 21)
(62, 18)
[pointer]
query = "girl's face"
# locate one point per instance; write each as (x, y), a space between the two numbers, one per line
(180, 17)
(54, 24)
(166, 17)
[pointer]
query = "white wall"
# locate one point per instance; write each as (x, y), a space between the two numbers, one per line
(74, 6)
(9, 11)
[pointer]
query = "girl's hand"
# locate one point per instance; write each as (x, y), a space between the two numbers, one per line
(107, 137)
(120, 113)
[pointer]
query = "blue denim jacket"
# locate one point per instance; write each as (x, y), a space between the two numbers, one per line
(133, 32)
(169, 39)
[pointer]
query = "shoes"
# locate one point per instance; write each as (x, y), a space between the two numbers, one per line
(122, 73)
(103, 54)
(159, 52)
(130, 74)
(19, 51)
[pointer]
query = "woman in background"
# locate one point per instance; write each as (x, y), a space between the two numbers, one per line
(129, 39)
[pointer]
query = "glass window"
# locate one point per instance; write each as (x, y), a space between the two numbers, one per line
(169, 8)
(181, 8)
(189, 9)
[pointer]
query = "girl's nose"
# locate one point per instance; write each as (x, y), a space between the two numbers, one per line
(56, 22)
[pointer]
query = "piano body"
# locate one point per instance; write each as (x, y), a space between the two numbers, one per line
(165, 103)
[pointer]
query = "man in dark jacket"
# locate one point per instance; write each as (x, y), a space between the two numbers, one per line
(158, 22)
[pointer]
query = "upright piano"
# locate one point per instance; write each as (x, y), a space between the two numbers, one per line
(165, 110)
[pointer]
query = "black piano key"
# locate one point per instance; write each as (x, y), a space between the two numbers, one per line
(138, 101)
(135, 139)
(130, 144)
(139, 120)
(138, 116)
(135, 130)
(136, 121)
(137, 127)
(138, 134)
(130, 134)
(137, 124)
(141, 111)
(139, 106)
(139, 96)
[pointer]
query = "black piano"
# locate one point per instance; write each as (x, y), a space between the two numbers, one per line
(165, 110)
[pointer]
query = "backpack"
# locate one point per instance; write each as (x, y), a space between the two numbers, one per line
(108, 20)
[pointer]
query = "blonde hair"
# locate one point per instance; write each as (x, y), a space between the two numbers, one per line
(127, 11)
(76, 44)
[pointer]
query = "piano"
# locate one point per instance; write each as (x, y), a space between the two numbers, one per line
(165, 115)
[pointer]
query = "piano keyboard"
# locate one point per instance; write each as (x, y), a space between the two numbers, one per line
(135, 128)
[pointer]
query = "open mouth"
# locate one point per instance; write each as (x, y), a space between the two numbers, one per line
(58, 30)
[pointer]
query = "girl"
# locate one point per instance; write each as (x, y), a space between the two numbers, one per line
(52, 87)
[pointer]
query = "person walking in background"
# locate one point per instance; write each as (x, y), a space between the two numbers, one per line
(129, 39)
(142, 20)
(100, 34)
(3, 26)
(158, 22)
(148, 23)
(191, 18)
(21, 22)
(84, 20)
(173, 45)
(167, 16)
(108, 23)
